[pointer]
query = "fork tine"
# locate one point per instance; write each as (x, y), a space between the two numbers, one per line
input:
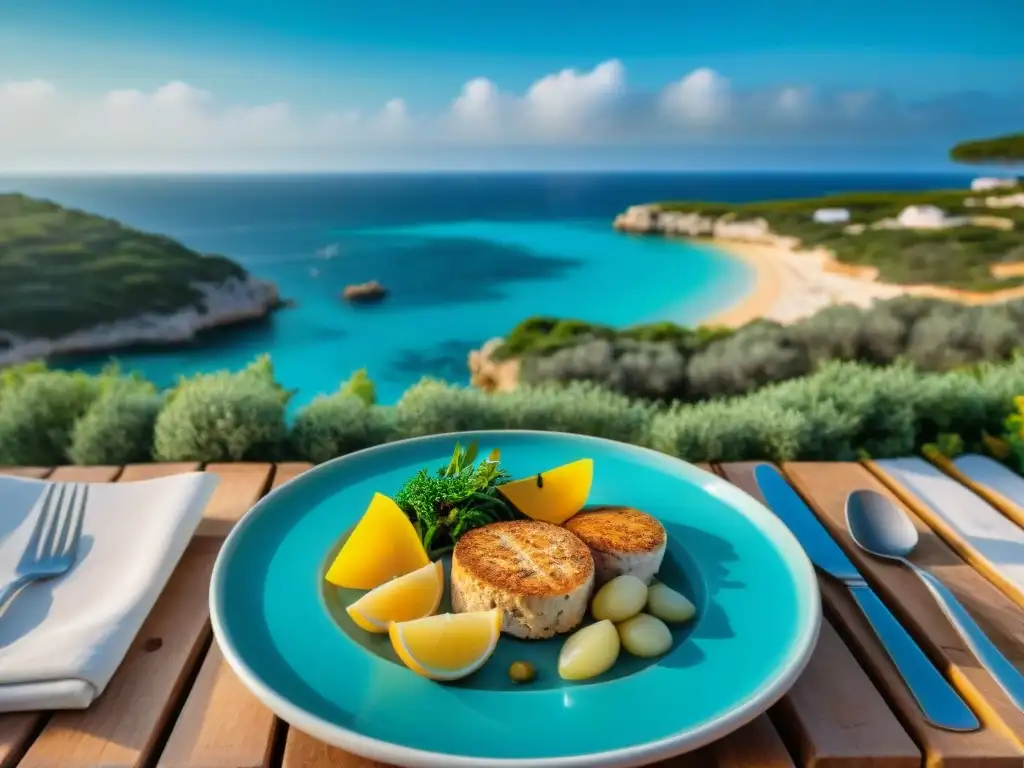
(53, 525)
(73, 529)
(67, 522)
(37, 531)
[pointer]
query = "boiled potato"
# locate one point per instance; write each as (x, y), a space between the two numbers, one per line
(589, 651)
(645, 636)
(619, 599)
(668, 605)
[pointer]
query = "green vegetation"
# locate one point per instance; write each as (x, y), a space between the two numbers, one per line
(1014, 434)
(843, 411)
(957, 257)
(664, 362)
(1000, 150)
(446, 503)
(232, 416)
(545, 335)
(65, 270)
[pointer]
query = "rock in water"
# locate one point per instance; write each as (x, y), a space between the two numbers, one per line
(371, 291)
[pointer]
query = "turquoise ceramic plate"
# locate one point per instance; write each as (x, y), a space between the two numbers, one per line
(286, 634)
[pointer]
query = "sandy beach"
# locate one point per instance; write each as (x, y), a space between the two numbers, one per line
(791, 285)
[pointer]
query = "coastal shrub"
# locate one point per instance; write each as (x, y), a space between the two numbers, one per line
(14, 376)
(1014, 434)
(360, 385)
(433, 407)
(760, 354)
(334, 425)
(117, 428)
(581, 408)
(223, 417)
(843, 411)
(37, 415)
(934, 335)
(655, 369)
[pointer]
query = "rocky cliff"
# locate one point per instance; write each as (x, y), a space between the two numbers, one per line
(489, 374)
(649, 219)
(232, 301)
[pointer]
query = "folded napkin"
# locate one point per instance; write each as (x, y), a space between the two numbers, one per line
(61, 640)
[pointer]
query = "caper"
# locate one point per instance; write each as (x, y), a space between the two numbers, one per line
(522, 672)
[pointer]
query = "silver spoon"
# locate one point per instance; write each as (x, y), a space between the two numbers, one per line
(878, 526)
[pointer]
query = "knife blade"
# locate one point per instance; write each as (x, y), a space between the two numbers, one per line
(938, 701)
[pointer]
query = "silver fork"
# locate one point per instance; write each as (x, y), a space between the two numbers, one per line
(53, 546)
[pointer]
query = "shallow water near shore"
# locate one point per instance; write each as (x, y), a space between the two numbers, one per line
(465, 257)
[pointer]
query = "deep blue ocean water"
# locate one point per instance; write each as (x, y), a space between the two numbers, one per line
(465, 257)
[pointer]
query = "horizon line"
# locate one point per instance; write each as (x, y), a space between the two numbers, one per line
(62, 173)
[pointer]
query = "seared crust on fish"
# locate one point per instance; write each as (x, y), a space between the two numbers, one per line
(539, 574)
(622, 540)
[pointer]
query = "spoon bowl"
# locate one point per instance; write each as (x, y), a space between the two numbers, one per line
(879, 526)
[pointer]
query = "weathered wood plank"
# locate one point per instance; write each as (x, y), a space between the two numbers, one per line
(834, 715)
(36, 473)
(74, 474)
(124, 726)
(288, 471)
(999, 742)
(222, 724)
(241, 485)
(134, 472)
(17, 729)
(755, 745)
(303, 751)
(974, 529)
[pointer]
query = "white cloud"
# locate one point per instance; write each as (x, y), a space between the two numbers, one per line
(562, 105)
(179, 123)
(700, 98)
(793, 102)
(26, 92)
(856, 103)
(478, 102)
(395, 112)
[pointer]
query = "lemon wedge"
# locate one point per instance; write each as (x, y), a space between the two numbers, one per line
(449, 646)
(408, 597)
(383, 545)
(552, 496)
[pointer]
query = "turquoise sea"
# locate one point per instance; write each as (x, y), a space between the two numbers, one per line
(465, 257)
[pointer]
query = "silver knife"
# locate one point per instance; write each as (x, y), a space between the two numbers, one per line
(939, 702)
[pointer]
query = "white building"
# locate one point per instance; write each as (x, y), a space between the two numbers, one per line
(986, 183)
(1005, 201)
(831, 216)
(922, 217)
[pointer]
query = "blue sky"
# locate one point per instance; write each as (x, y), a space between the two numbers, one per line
(308, 84)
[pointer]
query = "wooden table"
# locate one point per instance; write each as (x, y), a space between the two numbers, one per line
(174, 703)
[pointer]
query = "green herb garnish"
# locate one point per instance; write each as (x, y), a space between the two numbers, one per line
(455, 499)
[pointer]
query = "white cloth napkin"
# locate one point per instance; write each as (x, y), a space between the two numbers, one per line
(61, 640)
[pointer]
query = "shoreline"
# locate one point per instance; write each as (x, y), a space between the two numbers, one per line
(229, 304)
(792, 284)
(762, 297)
